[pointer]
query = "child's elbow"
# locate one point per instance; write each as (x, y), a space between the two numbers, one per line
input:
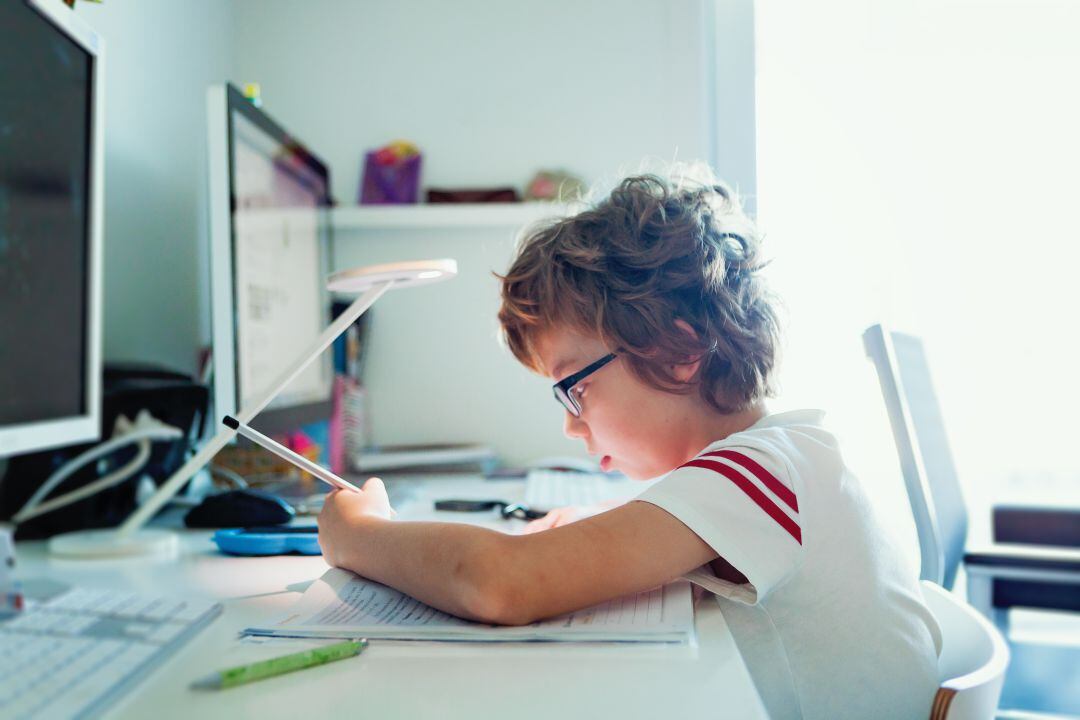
(493, 596)
(497, 603)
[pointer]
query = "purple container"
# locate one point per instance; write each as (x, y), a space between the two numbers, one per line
(394, 184)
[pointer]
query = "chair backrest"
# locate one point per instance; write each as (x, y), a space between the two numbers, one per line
(974, 656)
(926, 463)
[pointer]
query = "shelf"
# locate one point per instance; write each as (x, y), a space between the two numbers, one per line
(465, 215)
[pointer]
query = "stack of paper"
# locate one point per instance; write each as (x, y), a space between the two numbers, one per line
(341, 604)
(401, 457)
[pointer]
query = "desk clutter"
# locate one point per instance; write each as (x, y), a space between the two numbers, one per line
(390, 175)
(81, 652)
(280, 540)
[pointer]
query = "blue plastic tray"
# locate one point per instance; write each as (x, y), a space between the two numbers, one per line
(241, 541)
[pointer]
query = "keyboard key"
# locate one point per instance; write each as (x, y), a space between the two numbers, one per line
(549, 489)
(62, 656)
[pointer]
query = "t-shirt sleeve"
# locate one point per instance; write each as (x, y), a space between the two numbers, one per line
(744, 502)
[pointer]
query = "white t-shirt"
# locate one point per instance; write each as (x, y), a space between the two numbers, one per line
(831, 622)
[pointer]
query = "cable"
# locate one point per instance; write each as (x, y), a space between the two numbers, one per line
(145, 429)
(114, 478)
(130, 433)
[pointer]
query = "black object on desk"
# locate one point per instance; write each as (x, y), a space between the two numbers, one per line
(128, 388)
(238, 508)
(506, 509)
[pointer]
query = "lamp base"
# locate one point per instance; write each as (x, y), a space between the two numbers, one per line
(109, 543)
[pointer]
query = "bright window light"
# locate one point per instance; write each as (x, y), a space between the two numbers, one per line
(918, 165)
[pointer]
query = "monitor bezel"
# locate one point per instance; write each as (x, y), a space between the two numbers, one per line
(222, 101)
(85, 426)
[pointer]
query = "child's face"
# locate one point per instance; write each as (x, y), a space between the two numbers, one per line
(627, 424)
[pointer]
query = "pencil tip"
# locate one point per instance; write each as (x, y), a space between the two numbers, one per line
(209, 682)
(232, 422)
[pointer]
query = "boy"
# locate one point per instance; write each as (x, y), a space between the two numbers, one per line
(649, 312)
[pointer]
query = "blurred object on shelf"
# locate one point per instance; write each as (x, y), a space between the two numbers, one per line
(473, 195)
(349, 347)
(335, 436)
(391, 175)
(259, 467)
(555, 185)
(442, 457)
(355, 417)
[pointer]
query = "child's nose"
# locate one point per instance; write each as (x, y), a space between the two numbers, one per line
(574, 427)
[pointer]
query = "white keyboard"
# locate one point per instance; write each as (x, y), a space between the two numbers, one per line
(74, 655)
(549, 489)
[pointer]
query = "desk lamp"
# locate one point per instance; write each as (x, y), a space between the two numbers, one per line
(131, 538)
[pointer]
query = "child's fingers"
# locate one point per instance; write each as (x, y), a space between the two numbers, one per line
(552, 519)
(374, 484)
(377, 488)
(538, 525)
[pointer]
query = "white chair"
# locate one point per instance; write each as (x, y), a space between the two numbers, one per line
(1019, 568)
(971, 668)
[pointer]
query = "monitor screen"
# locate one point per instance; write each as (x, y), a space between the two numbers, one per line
(46, 221)
(277, 245)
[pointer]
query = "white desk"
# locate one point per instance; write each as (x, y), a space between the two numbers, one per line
(519, 680)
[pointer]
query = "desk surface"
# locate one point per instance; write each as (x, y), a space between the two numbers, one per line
(396, 679)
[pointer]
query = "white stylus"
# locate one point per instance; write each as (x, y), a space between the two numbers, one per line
(281, 451)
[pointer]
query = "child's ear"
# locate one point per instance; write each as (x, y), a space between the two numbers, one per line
(685, 372)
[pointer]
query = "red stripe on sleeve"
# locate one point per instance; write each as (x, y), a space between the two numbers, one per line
(778, 488)
(753, 492)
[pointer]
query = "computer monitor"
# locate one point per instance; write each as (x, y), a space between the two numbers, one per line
(51, 143)
(269, 253)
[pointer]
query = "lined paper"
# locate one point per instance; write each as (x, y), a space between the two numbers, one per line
(341, 604)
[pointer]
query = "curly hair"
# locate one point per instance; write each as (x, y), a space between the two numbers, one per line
(653, 252)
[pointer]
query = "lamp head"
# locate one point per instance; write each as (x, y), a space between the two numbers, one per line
(401, 274)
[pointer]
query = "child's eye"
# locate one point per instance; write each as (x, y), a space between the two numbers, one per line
(579, 390)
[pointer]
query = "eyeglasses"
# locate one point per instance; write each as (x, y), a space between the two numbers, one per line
(563, 387)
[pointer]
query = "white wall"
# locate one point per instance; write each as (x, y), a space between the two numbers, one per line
(161, 56)
(491, 92)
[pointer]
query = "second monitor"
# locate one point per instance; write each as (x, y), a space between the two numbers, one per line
(270, 249)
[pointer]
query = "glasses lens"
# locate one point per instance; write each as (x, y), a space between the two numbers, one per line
(567, 402)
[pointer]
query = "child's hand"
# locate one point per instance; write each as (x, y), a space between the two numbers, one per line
(567, 515)
(560, 516)
(344, 507)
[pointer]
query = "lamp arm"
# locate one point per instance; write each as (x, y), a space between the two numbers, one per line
(146, 511)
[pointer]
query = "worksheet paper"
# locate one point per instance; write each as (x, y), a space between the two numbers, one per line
(341, 604)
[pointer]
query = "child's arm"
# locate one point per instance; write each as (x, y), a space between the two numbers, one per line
(508, 579)
(571, 513)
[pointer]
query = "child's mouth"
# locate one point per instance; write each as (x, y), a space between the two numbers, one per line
(605, 463)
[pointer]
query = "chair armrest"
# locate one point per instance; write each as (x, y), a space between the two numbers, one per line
(1029, 560)
(1008, 575)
